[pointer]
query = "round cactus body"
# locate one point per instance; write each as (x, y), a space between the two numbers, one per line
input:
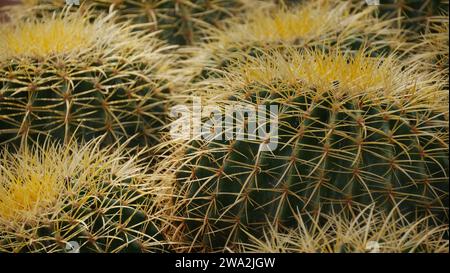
(77, 199)
(67, 78)
(350, 134)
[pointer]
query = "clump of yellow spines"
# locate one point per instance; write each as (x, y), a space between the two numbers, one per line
(315, 21)
(69, 33)
(47, 38)
(356, 73)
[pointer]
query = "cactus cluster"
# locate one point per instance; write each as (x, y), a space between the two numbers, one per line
(352, 131)
(337, 136)
(67, 77)
(76, 198)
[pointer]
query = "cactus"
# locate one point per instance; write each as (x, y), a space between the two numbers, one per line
(65, 77)
(181, 21)
(412, 14)
(323, 24)
(72, 198)
(370, 231)
(353, 131)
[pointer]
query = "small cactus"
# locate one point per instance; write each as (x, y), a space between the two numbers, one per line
(353, 131)
(321, 24)
(66, 77)
(77, 198)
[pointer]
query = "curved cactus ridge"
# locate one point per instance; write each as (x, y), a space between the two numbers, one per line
(64, 76)
(352, 131)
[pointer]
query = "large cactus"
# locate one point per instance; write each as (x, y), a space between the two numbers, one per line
(181, 21)
(352, 131)
(65, 77)
(77, 198)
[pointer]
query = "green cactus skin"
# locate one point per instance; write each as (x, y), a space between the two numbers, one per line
(38, 99)
(181, 22)
(335, 151)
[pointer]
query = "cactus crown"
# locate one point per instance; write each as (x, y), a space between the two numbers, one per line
(66, 33)
(29, 193)
(337, 72)
(47, 37)
(354, 73)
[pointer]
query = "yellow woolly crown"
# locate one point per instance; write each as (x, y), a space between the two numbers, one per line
(47, 37)
(341, 72)
(28, 192)
(30, 184)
